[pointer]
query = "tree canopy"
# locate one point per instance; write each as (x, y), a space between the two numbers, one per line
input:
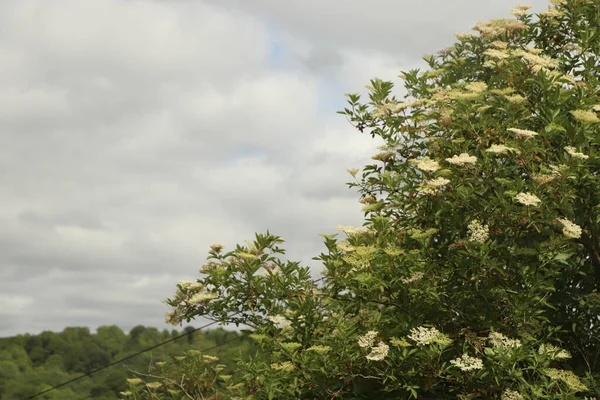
(476, 274)
(30, 364)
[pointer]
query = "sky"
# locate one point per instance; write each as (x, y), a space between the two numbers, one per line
(135, 133)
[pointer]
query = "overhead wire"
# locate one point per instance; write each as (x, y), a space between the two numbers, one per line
(135, 355)
(122, 360)
(202, 351)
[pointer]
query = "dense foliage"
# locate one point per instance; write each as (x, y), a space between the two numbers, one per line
(477, 272)
(30, 364)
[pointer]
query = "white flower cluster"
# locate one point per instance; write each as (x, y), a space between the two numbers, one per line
(413, 278)
(378, 352)
(575, 154)
(353, 231)
(570, 229)
(523, 133)
(518, 12)
(423, 336)
(426, 164)
(511, 395)
(555, 352)
(500, 149)
(432, 186)
(467, 363)
(476, 86)
(279, 320)
(585, 116)
(463, 36)
(499, 340)
(523, 6)
(202, 297)
(478, 232)
(462, 159)
(528, 199)
(367, 339)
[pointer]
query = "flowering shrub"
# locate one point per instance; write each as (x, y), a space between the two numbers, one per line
(476, 274)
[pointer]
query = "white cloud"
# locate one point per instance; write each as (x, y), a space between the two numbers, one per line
(136, 133)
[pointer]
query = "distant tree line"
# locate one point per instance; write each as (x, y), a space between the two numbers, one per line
(30, 364)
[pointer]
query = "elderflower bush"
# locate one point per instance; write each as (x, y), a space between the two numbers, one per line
(476, 274)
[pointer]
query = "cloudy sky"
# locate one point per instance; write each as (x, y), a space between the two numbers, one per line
(135, 133)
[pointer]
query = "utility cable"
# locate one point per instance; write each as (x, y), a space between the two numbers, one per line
(202, 351)
(122, 359)
(133, 355)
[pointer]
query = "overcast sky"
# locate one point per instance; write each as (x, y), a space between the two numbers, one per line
(135, 133)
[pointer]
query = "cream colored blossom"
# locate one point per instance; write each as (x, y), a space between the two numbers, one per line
(423, 336)
(353, 231)
(216, 247)
(528, 199)
(409, 104)
(555, 353)
(534, 50)
(286, 366)
(523, 133)
(499, 340)
(535, 61)
(278, 320)
(568, 377)
(426, 164)
(383, 110)
(344, 245)
(476, 86)
(542, 179)
(515, 99)
(585, 116)
(463, 36)
(458, 95)
(518, 12)
(270, 271)
(497, 54)
(596, 107)
(499, 44)
(467, 363)
(413, 278)
(511, 395)
(504, 91)
(319, 348)
(500, 149)
(202, 297)
(575, 154)
(433, 186)
(367, 339)
(360, 256)
(462, 159)
(570, 229)
(523, 6)
(172, 318)
(378, 352)
(478, 232)
(498, 27)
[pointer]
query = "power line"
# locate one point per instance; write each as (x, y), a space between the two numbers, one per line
(122, 359)
(134, 355)
(203, 351)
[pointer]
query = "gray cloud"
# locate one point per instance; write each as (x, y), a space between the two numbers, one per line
(134, 133)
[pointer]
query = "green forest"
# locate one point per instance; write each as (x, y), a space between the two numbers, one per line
(30, 364)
